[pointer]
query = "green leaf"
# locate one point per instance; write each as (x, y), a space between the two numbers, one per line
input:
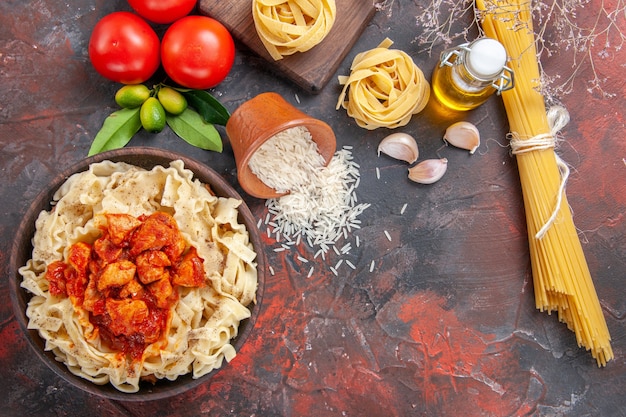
(207, 106)
(116, 131)
(191, 127)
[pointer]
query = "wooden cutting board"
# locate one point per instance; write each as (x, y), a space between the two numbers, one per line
(310, 70)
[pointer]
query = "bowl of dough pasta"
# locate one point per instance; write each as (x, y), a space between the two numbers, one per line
(137, 274)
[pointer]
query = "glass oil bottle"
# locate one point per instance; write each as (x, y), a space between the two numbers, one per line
(470, 73)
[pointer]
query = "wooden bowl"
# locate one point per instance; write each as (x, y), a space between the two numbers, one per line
(258, 120)
(21, 252)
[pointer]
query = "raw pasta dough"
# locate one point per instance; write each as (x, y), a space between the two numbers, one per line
(385, 88)
(287, 27)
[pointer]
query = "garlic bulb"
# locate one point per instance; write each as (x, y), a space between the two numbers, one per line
(400, 146)
(428, 171)
(463, 135)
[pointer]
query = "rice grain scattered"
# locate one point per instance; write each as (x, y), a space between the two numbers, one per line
(320, 205)
(346, 248)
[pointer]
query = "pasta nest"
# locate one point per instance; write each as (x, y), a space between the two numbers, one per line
(287, 27)
(385, 88)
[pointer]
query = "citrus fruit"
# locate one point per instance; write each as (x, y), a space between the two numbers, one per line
(173, 102)
(131, 96)
(152, 115)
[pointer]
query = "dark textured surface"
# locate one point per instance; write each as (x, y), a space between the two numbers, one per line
(444, 325)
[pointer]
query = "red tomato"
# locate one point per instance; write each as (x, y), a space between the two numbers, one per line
(197, 52)
(162, 11)
(124, 48)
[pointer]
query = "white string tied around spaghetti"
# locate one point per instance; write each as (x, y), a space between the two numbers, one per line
(558, 118)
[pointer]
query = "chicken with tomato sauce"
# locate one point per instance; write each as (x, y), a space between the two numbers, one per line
(127, 278)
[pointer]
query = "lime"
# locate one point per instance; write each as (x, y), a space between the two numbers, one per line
(152, 115)
(173, 102)
(132, 95)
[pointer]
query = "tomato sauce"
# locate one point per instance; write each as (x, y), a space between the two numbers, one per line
(127, 279)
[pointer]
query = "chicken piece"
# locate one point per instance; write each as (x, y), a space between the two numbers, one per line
(106, 250)
(189, 272)
(116, 274)
(152, 266)
(93, 301)
(55, 274)
(159, 231)
(176, 249)
(78, 258)
(126, 315)
(120, 226)
(161, 290)
(131, 290)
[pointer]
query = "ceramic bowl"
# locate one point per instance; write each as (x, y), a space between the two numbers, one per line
(259, 119)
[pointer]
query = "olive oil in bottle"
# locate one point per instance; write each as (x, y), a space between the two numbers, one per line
(470, 73)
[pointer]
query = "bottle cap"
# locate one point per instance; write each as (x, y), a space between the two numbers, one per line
(486, 58)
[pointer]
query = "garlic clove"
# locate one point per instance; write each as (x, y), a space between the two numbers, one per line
(463, 135)
(428, 171)
(400, 146)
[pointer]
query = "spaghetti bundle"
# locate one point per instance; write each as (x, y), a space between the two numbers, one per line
(561, 277)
